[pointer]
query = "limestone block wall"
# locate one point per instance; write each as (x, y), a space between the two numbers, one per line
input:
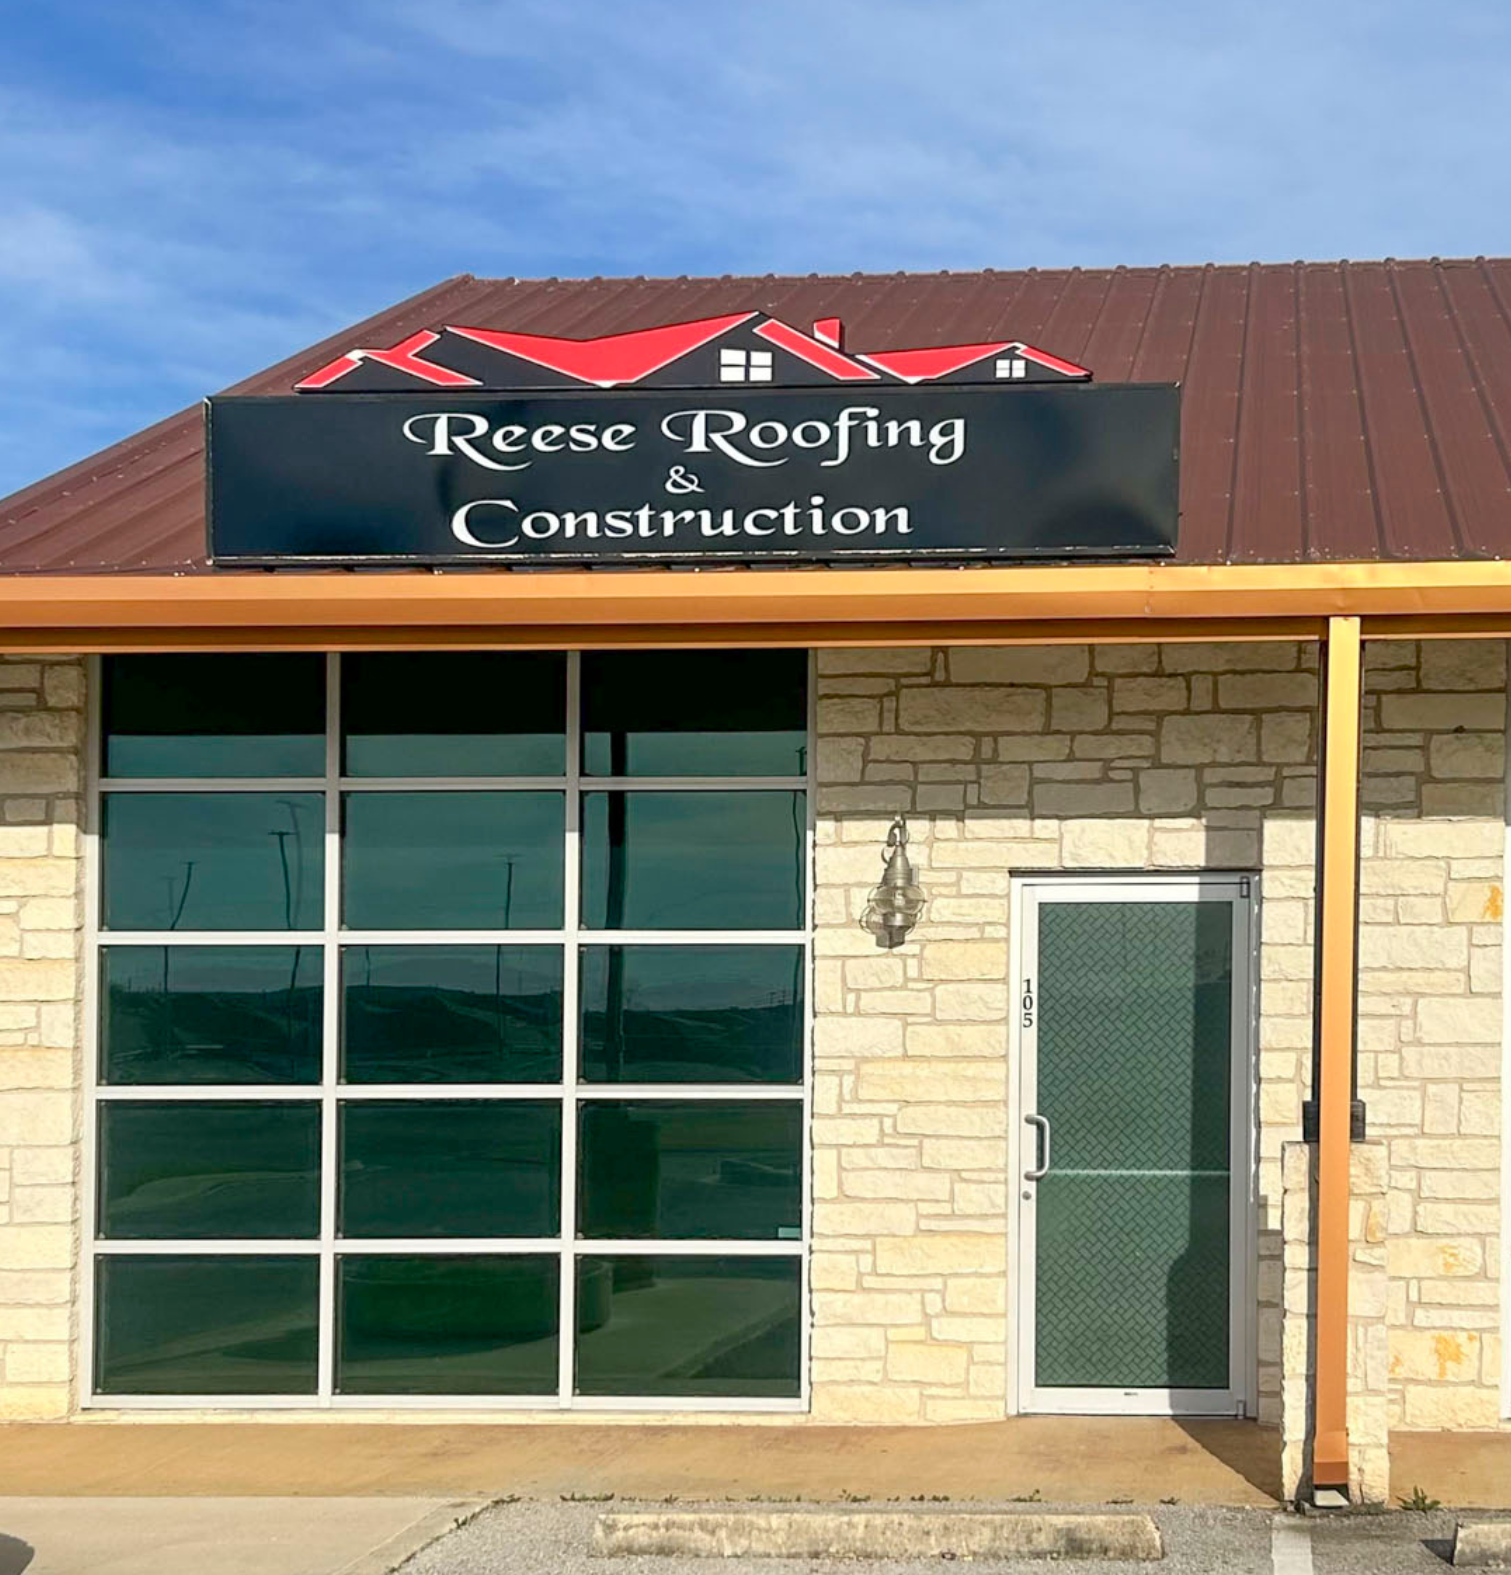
(1432, 887)
(1368, 1340)
(41, 785)
(1015, 759)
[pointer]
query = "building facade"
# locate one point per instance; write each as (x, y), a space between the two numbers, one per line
(447, 995)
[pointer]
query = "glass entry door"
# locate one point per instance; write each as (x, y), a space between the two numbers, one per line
(1133, 1028)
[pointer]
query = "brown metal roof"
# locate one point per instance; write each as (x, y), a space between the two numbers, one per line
(1331, 411)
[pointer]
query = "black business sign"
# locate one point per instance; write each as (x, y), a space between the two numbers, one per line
(624, 475)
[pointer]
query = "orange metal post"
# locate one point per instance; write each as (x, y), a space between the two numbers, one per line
(1337, 929)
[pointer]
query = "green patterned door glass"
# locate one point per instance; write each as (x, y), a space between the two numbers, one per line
(1134, 1073)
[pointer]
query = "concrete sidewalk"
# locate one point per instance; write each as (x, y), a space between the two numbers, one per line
(240, 1536)
(1087, 1459)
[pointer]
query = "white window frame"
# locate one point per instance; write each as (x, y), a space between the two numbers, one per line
(329, 1092)
(1242, 890)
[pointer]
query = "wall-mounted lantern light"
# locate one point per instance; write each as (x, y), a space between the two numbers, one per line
(896, 901)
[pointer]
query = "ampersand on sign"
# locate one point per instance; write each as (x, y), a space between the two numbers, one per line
(680, 479)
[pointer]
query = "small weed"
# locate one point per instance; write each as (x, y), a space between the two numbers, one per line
(1171, 1500)
(847, 1497)
(586, 1498)
(1120, 1501)
(930, 1498)
(1419, 1503)
(1036, 1497)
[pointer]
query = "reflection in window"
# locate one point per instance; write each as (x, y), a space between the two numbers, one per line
(180, 1169)
(692, 861)
(442, 1167)
(715, 1326)
(222, 1325)
(455, 861)
(694, 1169)
(477, 1325)
(210, 1014)
(214, 716)
(451, 1014)
(692, 1014)
(454, 714)
(694, 713)
(213, 861)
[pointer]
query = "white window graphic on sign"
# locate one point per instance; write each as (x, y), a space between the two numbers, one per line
(745, 366)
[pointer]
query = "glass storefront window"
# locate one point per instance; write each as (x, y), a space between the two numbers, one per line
(692, 861)
(692, 1170)
(484, 1324)
(214, 716)
(451, 1014)
(708, 714)
(711, 1328)
(200, 1325)
(441, 1167)
(452, 861)
(692, 1014)
(176, 1169)
(210, 1014)
(213, 861)
(351, 1026)
(454, 714)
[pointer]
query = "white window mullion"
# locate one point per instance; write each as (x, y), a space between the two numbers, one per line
(566, 1342)
(88, 1169)
(330, 1043)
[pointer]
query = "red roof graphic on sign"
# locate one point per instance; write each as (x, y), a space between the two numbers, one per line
(737, 347)
(614, 359)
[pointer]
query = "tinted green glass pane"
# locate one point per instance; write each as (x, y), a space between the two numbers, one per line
(692, 1014)
(1135, 1033)
(1132, 1281)
(453, 860)
(717, 1327)
(693, 1170)
(692, 861)
(454, 714)
(210, 1014)
(451, 1014)
(223, 1325)
(443, 1167)
(1134, 1072)
(213, 861)
(214, 716)
(695, 713)
(482, 1325)
(243, 1168)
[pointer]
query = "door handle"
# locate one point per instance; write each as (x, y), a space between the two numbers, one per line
(1041, 1126)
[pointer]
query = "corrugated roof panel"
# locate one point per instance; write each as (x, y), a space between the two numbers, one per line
(1403, 465)
(1474, 473)
(1340, 503)
(1209, 424)
(1266, 512)
(1330, 410)
(1114, 339)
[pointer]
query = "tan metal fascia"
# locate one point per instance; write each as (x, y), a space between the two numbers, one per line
(811, 599)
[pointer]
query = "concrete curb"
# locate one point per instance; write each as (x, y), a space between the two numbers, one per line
(1482, 1544)
(403, 1545)
(818, 1534)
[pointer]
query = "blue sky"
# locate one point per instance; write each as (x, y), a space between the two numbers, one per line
(192, 189)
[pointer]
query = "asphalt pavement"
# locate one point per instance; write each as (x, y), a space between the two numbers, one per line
(552, 1538)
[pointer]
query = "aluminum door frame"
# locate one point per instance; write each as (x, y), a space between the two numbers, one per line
(1241, 890)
